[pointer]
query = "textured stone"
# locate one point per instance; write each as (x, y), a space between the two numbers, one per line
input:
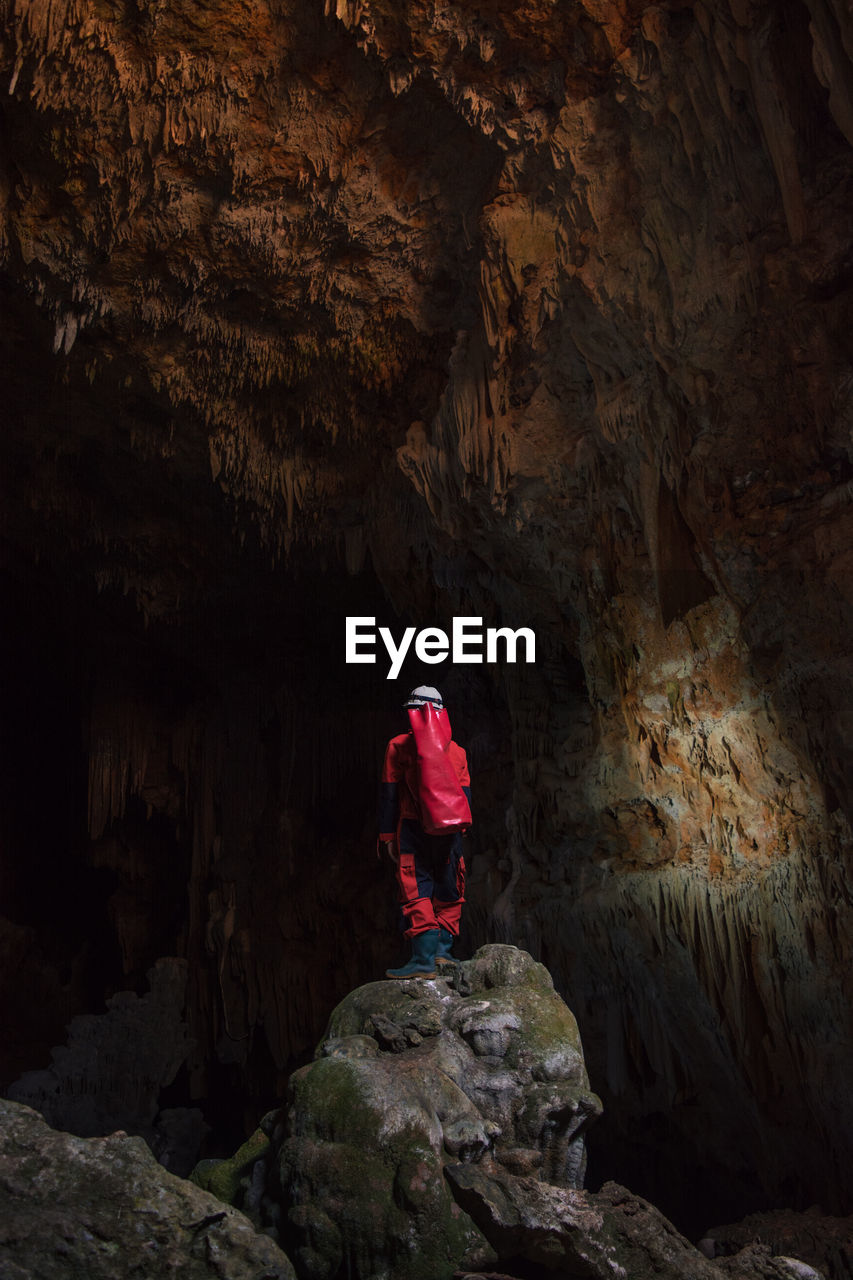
(496, 1032)
(360, 1171)
(816, 1239)
(355, 1173)
(93, 1209)
(604, 1234)
(574, 1232)
(234, 1180)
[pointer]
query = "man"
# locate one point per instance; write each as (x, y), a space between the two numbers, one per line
(430, 868)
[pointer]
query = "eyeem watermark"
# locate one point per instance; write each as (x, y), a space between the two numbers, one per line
(465, 644)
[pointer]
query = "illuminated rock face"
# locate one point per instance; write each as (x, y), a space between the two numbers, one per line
(533, 313)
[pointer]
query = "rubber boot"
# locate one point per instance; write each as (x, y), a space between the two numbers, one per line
(422, 963)
(444, 954)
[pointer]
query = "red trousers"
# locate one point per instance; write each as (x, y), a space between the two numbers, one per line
(431, 878)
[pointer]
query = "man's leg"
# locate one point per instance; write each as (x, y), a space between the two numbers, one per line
(415, 880)
(449, 893)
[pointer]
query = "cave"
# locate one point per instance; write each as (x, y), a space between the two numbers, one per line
(534, 314)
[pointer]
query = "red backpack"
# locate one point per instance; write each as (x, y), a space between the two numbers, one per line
(444, 805)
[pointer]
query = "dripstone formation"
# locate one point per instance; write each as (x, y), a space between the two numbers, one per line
(531, 312)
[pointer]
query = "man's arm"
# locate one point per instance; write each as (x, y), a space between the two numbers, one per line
(389, 801)
(461, 763)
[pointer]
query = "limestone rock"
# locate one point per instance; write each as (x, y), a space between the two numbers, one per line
(611, 1233)
(102, 1207)
(237, 1179)
(572, 1231)
(759, 1261)
(412, 1076)
(496, 1034)
(360, 1172)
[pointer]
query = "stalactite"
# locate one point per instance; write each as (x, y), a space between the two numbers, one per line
(741, 957)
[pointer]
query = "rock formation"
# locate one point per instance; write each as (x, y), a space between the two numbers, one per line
(532, 312)
(442, 1127)
(410, 1077)
(611, 1232)
(818, 1239)
(103, 1207)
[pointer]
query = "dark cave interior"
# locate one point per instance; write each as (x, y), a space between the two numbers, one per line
(90, 911)
(540, 315)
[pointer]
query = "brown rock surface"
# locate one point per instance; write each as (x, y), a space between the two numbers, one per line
(535, 312)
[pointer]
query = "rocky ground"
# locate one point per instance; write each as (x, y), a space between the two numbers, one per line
(439, 1132)
(98, 1208)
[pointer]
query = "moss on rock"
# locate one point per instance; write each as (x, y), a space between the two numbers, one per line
(228, 1179)
(362, 1170)
(484, 1062)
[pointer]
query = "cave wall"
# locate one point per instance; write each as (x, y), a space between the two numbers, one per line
(539, 313)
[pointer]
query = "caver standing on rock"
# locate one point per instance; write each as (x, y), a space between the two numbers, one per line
(424, 808)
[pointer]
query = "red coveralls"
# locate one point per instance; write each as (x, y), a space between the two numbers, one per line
(430, 869)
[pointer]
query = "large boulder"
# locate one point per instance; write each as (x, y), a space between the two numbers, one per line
(497, 1030)
(411, 1076)
(101, 1208)
(608, 1235)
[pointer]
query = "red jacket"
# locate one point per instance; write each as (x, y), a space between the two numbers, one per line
(398, 795)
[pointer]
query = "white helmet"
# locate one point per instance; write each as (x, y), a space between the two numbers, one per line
(422, 695)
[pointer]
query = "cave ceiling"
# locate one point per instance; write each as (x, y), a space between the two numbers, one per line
(272, 273)
(250, 258)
